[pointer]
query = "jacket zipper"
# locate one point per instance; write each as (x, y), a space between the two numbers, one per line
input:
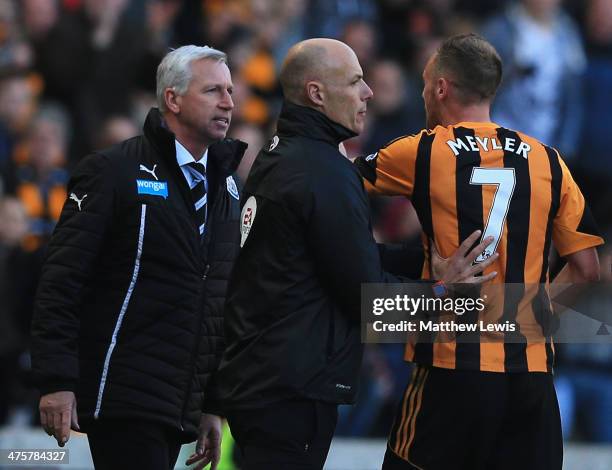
(124, 307)
(196, 346)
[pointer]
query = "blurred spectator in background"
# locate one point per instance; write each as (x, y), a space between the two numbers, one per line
(222, 19)
(399, 223)
(377, 388)
(17, 105)
(392, 113)
(41, 177)
(250, 107)
(584, 385)
(293, 30)
(253, 136)
(19, 270)
(595, 162)
(161, 17)
(15, 51)
(13, 227)
(255, 70)
(584, 375)
(110, 56)
(114, 130)
(326, 18)
(543, 58)
(39, 17)
(360, 35)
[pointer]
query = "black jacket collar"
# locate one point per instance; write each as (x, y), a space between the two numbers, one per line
(224, 155)
(308, 122)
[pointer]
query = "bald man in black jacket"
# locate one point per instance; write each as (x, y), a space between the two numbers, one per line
(292, 321)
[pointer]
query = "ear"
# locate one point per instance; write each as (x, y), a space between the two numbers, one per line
(442, 88)
(172, 100)
(315, 93)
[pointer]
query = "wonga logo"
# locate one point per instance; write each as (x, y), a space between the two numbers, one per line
(153, 188)
(247, 218)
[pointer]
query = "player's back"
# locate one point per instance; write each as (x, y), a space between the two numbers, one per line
(482, 176)
(500, 181)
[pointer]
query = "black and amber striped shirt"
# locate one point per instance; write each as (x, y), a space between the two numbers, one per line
(482, 176)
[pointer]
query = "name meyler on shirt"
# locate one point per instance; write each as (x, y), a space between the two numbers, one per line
(475, 144)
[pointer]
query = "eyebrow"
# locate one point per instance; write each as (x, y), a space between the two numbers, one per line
(217, 85)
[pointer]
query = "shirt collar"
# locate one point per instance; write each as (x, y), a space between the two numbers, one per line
(183, 157)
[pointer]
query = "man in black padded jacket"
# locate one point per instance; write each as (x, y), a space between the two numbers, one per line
(293, 305)
(129, 310)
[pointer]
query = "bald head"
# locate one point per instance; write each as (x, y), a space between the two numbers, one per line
(319, 59)
(324, 74)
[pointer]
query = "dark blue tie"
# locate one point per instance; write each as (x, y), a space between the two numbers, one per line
(199, 191)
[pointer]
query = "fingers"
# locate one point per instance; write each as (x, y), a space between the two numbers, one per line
(210, 453)
(65, 427)
(215, 460)
(200, 445)
(487, 277)
(198, 455)
(45, 423)
(57, 427)
(214, 445)
(480, 267)
(43, 420)
(475, 280)
(57, 424)
(208, 446)
(202, 460)
(203, 463)
(479, 249)
(472, 277)
(212, 456)
(481, 279)
(468, 242)
(58, 414)
(74, 419)
(489, 261)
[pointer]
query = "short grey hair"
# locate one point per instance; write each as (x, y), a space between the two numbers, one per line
(174, 71)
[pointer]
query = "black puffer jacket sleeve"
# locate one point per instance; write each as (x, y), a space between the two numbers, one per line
(71, 257)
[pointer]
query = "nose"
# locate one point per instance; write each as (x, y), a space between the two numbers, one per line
(227, 102)
(368, 93)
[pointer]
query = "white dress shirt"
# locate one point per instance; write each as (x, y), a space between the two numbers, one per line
(183, 157)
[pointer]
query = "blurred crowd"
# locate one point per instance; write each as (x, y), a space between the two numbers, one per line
(79, 75)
